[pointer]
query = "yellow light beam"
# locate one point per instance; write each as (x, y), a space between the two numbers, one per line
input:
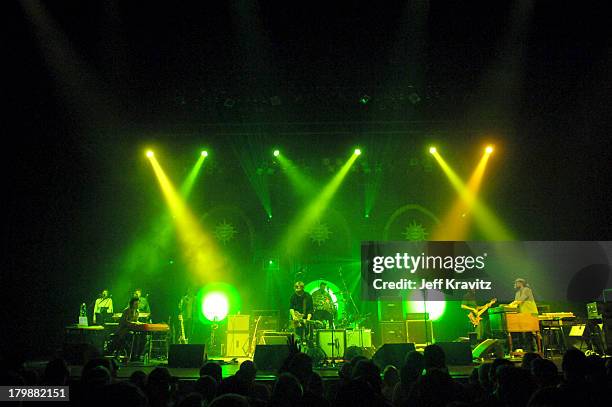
(303, 222)
(486, 220)
(455, 224)
(199, 250)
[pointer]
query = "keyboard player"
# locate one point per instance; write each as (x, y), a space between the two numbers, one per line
(127, 323)
(525, 303)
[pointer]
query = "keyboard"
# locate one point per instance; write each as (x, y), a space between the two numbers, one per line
(152, 327)
(547, 316)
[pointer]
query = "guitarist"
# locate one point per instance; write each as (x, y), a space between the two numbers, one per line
(300, 309)
(482, 318)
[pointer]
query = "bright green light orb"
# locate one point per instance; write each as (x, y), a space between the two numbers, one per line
(276, 153)
(204, 153)
(215, 306)
(357, 151)
(434, 305)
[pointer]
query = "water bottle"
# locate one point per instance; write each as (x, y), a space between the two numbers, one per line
(83, 315)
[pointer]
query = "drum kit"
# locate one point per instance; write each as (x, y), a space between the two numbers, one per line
(328, 344)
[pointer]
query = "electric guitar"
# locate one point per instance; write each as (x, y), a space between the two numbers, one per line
(182, 339)
(475, 313)
(298, 321)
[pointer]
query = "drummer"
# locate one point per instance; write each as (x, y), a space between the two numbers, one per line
(324, 307)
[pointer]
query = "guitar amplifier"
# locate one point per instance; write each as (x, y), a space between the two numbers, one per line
(362, 338)
(237, 339)
(273, 338)
(237, 344)
(392, 332)
(391, 309)
(419, 332)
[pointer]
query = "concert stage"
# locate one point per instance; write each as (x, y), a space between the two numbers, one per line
(230, 366)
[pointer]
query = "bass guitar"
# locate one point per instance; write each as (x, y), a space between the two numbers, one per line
(182, 339)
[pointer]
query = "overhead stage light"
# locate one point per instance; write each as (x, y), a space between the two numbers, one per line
(357, 151)
(489, 149)
(433, 150)
(204, 153)
(276, 153)
(150, 154)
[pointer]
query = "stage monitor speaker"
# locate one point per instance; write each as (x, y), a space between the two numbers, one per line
(488, 348)
(392, 332)
(457, 353)
(420, 332)
(270, 357)
(392, 354)
(186, 355)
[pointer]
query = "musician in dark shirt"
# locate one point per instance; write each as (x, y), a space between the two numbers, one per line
(127, 324)
(300, 309)
(143, 306)
(186, 313)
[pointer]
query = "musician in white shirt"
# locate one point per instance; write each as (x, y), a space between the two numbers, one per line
(103, 307)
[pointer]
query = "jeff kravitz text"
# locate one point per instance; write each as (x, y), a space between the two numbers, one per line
(436, 284)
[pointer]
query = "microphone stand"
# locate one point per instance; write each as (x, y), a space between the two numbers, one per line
(425, 317)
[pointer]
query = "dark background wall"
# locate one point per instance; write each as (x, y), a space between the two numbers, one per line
(85, 101)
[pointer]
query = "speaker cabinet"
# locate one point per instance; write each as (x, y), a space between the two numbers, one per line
(238, 323)
(392, 354)
(419, 331)
(270, 357)
(391, 309)
(186, 355)
(237, 344)
(361, 338)
(457, 353)
(489, 348)
(332, 342)
(237, 335)
(392, 332)
(274, 338)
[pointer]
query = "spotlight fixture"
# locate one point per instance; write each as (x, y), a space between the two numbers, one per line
(150, 153)
(489, 149)
(276, 153)
(433, 150)
(357, 151)
(204, 153)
